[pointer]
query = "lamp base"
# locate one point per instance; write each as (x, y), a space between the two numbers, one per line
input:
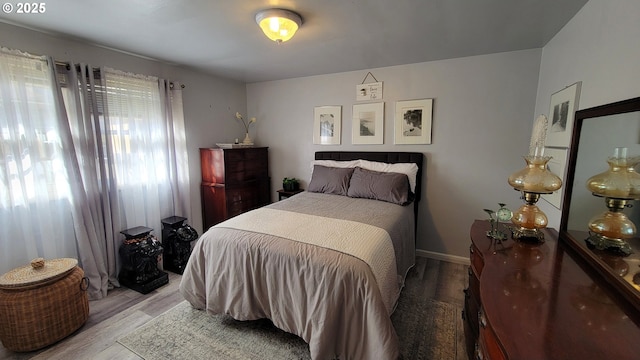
(611, 245)
(527, 235)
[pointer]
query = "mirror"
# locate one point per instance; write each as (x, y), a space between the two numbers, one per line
(597, 132)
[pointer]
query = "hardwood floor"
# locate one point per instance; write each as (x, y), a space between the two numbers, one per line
(124, 310)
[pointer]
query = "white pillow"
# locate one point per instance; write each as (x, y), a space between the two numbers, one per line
(410, 169)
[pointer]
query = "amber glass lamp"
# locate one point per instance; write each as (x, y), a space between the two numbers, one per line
(619, 185)
(532, 181)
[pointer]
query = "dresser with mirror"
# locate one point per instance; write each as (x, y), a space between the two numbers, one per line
(562, 298)
(597, 133)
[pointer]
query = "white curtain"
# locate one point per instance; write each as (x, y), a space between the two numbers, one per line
(84, 156)
(35, 198)
(176, 145)
(136, 143)
(82, 94)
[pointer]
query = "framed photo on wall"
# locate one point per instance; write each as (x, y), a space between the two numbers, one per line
(368, 123)
(327, 123)
(564, 104)
(413, 121)
(558, 166)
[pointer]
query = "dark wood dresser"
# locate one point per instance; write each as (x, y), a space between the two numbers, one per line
(233, 181)
(534, 301)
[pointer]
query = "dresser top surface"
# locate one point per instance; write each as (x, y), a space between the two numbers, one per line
(234, 149)
(542, 304)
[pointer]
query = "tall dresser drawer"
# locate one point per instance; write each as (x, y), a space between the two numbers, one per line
(241, 199)
(233, 181)
(248, 165)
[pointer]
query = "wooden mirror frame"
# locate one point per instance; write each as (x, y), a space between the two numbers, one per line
(626, 290)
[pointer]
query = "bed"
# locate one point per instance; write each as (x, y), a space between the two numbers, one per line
(327, 264)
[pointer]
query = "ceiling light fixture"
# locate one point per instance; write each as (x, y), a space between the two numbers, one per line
(278, 24)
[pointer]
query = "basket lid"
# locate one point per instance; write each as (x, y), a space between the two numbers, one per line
(39, 272)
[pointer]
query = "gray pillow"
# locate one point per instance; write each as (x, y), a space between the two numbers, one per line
(330, 180)
(385, 186)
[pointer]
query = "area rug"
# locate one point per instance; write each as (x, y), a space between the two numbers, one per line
(426, 329)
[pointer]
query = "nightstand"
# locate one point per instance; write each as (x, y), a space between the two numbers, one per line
(283, 194)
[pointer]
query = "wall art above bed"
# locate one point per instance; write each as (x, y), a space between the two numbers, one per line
(327, 124)
(413, 121)
(368, 124)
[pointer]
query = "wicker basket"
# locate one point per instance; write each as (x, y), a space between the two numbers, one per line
(38, 309)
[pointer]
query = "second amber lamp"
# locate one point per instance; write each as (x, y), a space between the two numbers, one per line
(618, 185)
(534, 180)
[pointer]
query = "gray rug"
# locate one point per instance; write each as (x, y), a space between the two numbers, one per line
(426, 329)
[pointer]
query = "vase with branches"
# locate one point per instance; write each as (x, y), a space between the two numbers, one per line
(247, 140)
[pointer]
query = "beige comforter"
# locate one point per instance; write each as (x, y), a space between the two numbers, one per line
(339, 300)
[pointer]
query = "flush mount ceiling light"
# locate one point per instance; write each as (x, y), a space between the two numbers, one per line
(278, 24)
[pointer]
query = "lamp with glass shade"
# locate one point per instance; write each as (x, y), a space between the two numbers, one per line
(619, 185)
(533, 181)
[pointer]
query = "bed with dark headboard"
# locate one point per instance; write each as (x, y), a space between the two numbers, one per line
(385, 157)
(327, 264)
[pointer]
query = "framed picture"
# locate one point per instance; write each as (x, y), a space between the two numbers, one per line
(368, 123)
(327, 123)
(413, 121)
(558, 166)
(564, 104)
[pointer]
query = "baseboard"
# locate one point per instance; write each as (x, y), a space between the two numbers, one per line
(445, 257)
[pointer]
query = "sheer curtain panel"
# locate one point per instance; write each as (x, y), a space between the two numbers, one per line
(144, 148)
(36, 212)
(83, 95)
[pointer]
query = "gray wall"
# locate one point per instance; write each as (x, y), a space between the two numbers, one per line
(482, 118)
(599, 47)
(209, 102)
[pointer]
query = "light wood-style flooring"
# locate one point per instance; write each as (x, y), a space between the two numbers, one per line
(124, 310)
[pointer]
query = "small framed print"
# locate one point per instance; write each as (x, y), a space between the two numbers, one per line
(327, 123)
(413, 121)
(368, 123)
(558, 166)
(564, 104)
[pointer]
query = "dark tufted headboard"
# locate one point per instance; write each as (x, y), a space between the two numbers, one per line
(387, 157)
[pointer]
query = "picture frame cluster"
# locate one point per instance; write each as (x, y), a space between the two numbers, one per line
(412, 123)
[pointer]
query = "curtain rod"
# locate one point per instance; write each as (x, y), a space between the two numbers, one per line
(68, 67)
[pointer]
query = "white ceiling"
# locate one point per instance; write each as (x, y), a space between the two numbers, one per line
(221, 37)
